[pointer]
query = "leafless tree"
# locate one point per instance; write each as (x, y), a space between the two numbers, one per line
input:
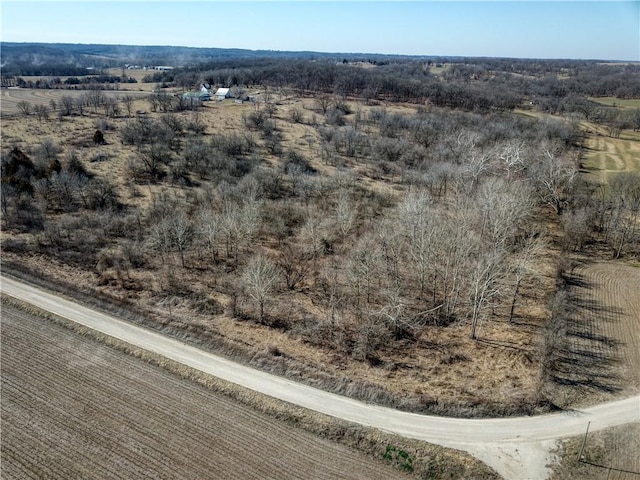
(416, 216)
(294, 263)
(504, 208)
(42, 112)
(485, 285)
(127, 100)
(159, 238)
(24, 107)
(95, 99)
(624, 212)
(239, 223)
(394, 313)
(345, 213)
(553, 177)
(363, 269)
(181, 233)
(313, 232)
(80, 103)
(210, 229)
(523, 263)
(259, 279)
(511, 156)
(67, 105)
(323, 102)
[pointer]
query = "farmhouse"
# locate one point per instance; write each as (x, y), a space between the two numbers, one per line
(222, 93)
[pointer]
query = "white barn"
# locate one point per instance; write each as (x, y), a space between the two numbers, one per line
(222, 93)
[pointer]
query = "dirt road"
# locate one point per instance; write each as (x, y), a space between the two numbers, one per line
(517, 448)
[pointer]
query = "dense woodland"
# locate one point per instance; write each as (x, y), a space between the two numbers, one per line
(374, 226)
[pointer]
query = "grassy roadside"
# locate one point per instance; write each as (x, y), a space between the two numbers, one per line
(422, 459)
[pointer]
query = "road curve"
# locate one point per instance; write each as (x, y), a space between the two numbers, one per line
(479, 437)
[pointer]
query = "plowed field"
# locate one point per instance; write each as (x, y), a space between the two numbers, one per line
(73, 408)
(603, 349)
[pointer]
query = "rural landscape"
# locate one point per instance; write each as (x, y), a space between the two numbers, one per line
(446, 236)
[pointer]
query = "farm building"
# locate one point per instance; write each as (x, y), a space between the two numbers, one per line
(222, 93)
(203, 94)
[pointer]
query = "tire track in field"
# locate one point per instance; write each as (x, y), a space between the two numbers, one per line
(72, 408)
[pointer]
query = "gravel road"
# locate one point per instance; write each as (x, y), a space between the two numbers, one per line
(517, 447)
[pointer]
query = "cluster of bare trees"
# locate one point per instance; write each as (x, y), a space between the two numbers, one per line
(351, 266)
(95, 100)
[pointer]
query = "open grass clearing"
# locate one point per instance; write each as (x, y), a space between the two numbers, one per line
(73, 408)
(608, 156)
(617, 102)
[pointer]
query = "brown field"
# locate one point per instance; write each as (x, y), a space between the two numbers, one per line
(73, 408)
(610, 453)
(602, 354)
(10, 98)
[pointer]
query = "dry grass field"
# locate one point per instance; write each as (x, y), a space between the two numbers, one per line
(608, 156)
(73, 408)
(617, 102)
(10, 98)
(602, 354)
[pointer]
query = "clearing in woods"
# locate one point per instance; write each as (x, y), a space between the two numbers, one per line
(73, 408)
(602, 350)
(608, 156)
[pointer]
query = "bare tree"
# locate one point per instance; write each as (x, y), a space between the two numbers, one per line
(24, 107)
(363, 269)
(95, 99)
(345, 213)
(313, 232)
(553, 178)
(259, 280)
(181, 233)
(624, 212)
(294, 263)
(416, 216)
(510, 155)
(159, 238)
(127, 100)
(66, 105)
(42, 112)
(210, 229)
(80, 103)
(323, 102)
(523, 264)
(395, 314)
(485, 285)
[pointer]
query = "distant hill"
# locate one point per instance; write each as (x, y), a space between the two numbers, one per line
(74, 59)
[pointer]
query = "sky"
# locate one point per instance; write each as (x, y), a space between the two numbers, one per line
(606, 30)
